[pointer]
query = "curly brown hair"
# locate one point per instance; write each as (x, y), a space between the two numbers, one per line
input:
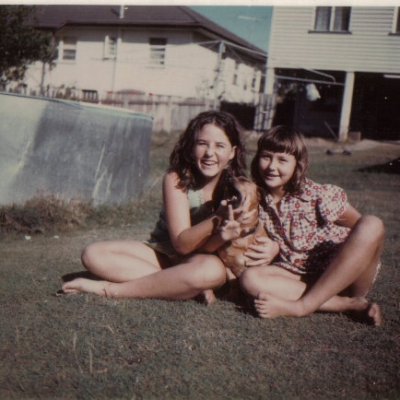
(181, 158)
(283, 139)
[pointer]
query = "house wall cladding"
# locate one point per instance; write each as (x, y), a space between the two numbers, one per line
(369, 47)
(189, 69)
(184, 64)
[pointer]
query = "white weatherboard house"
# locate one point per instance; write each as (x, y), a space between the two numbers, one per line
(152, 51)
(345, 59)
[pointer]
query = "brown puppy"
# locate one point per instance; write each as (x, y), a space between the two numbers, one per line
(231, 253)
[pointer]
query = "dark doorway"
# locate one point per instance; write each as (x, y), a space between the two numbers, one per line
(376, 107)
(244, 113)
(310, 117)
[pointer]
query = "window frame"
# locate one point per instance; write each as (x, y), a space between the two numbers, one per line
(157, 52)
(332, 17)
(68, 47)
(235, 77)
(110, 49)
(396, 21)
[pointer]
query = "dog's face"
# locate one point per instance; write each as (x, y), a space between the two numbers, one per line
(240, 190)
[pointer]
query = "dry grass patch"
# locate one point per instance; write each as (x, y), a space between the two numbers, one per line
(44, 213)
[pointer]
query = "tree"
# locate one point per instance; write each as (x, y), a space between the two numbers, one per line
(20, 43)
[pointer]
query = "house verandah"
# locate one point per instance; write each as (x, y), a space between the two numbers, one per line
(374, 104)
(335, 71)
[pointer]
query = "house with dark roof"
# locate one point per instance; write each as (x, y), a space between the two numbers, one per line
(147, 50)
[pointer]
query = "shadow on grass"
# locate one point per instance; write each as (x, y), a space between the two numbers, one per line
(391, 167)
(81, 274)
(74, 275)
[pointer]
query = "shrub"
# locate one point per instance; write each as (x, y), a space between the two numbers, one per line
(44, 213)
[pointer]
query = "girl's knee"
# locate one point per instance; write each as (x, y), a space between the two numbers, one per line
(90, 255)
(249, 280)
(208, 272)
(372, 227)
(373, 222)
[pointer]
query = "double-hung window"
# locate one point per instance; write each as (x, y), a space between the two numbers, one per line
(67, 48)
(110, 47)
(235, 79)
(332, 19)
(158, 48)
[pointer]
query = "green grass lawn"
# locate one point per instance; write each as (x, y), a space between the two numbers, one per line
(88, 347)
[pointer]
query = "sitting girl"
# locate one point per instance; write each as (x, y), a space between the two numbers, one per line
(329, 253)
(171, 265)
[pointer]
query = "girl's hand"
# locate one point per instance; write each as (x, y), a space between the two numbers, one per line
(240, 214)
(261, 253)
(229, 228)
(223, 210)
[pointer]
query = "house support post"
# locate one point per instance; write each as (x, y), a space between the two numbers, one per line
(115, 63)
(346, 107)
(269, 91)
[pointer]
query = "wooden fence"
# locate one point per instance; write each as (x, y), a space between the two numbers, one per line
(170, 113)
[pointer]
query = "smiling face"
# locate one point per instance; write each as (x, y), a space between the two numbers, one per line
(276, 170)
(212, 151)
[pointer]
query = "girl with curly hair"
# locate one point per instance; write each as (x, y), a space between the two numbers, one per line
(172, 263)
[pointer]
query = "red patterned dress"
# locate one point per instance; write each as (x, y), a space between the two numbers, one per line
(304, 226)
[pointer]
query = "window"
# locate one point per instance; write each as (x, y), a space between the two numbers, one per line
(255, 80)
(158, 48)
(396, 28)
(332, 19)
(68, 48)
(110, 47)
(236, 74)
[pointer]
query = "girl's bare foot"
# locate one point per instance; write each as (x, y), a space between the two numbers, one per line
(209, 297)
(268, 306)
(83, 285)
(358, 307)
(369, 313)
(374, 314)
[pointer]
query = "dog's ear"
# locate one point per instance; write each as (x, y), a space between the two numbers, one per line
(220, 191)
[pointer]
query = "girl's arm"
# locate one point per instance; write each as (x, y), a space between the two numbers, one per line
(349, 218)
(262, 253)
(184, 237)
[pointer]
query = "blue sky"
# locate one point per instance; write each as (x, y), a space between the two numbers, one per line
(252, 23)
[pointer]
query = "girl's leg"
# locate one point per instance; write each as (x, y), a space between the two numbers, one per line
(274, 281)
(272, 285)
(271, 279)
(353, 269)
(115, 261)
(182, 282)
(120, 261)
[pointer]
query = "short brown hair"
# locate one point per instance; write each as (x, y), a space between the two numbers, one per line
(283, 139)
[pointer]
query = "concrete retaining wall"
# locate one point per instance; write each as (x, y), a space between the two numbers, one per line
(71, 149)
